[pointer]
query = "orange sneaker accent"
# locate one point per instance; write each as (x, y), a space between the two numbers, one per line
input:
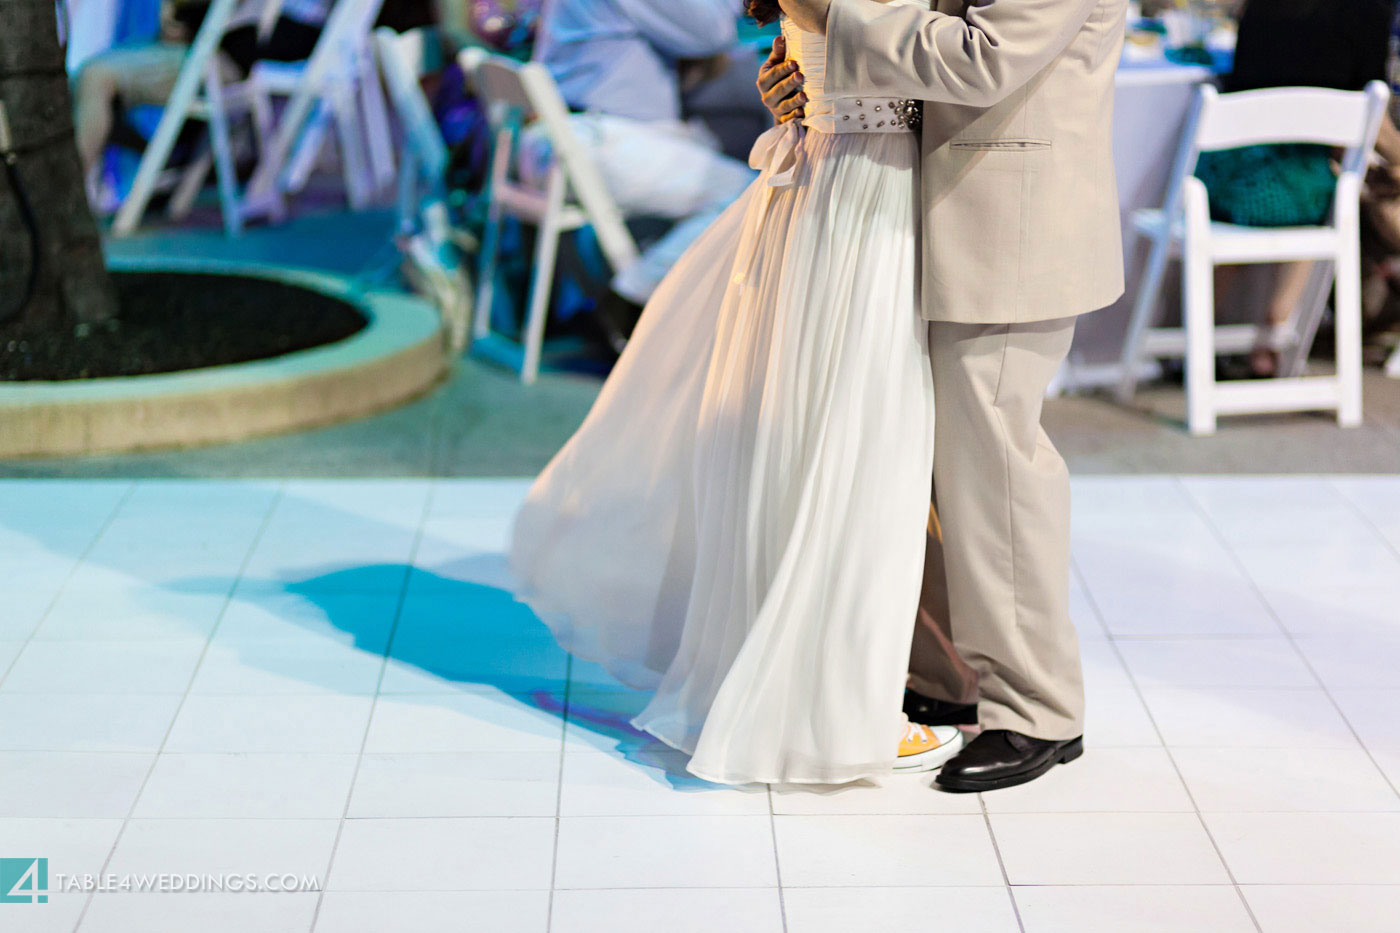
(917, 740)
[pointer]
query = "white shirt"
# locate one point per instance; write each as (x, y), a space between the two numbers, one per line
(619, 57)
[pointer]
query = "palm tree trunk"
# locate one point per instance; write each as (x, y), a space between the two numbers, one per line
(73, 288)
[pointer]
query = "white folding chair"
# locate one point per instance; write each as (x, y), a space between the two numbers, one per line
(338, 86)
(431, 247)
(199, 94)
(1183, 227)
(573, 196)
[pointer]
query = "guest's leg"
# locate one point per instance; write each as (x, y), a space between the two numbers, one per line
(664, 170)
(1289, 287)
(134, 75)
(1004, 507)
(935, 668)
(1288, 294)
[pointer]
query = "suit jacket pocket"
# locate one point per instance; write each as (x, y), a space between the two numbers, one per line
(999, 145)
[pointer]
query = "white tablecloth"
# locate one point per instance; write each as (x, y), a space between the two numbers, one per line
(1152, 104)
(92, 24)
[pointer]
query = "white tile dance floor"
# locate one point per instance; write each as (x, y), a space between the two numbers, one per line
(330, 679)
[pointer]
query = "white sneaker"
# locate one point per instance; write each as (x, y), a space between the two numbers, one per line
(927, 748)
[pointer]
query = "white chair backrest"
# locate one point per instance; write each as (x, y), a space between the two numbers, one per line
(402, 59)
(528, 89)
(1345, 119)
(345, 36)
(267, 22)
(193, 73)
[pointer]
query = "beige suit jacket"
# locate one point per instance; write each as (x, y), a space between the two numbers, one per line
(1020, 203)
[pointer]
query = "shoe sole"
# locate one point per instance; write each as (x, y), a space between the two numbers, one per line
(971, 785)
(931, 760)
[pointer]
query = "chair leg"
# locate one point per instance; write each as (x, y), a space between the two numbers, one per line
(406, 191)
(491, 236)
(546, 249)
(1144, 305)
(1348, 315)
(378, 136)
(225, 171)
(359, 186)
(1199, 300)
(260, 106)
(306, 150)
(486, 274)
(182, 201)
(1306, 319)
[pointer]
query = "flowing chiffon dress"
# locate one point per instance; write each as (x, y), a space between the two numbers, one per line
(739, 523)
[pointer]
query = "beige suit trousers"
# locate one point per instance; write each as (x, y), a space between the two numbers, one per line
(994, 621)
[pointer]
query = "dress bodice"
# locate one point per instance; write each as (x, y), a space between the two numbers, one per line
(834, 113)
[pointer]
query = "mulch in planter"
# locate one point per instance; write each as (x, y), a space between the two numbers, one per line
(172, 321)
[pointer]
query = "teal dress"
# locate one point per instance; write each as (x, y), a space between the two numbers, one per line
(1269, 186)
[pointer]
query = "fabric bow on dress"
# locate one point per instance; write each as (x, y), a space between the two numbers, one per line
(779, 149)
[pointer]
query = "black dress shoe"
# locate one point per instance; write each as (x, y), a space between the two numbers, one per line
(926, 711)
(1001, 758)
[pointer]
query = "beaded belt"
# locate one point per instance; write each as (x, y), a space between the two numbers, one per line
(779, 150)
(864, 115)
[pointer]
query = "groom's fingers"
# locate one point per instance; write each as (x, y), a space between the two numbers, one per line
(779, 52)
(782, 90)
(780, 83)
(791, 108)
(776, 68)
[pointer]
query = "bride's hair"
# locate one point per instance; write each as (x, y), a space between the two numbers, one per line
(763, 11)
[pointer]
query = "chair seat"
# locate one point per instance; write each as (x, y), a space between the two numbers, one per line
(279, 76)
(1235, 243)
(236, 97)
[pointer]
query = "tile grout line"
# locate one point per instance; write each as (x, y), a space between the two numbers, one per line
(1195, 807)
(1289, 636)
(1001, 864)
(194, 673)
(78, 562)
(559, 788)
(409, 567)
(777, 861)
(1355, 507)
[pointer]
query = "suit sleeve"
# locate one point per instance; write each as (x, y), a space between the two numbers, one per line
(685, 28)
(977, 59)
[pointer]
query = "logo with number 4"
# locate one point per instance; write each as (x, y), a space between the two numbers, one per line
(24, 881)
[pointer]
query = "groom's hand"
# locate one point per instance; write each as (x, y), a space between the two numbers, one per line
(780, 83)
(807, 15)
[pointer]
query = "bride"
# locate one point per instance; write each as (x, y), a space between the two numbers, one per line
(739, 524)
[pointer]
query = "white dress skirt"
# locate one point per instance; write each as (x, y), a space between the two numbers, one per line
(739, 523)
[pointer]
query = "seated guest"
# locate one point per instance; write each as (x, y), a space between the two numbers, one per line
(1381, 223)
(145, 74)
(1292, 43)
(620, 64)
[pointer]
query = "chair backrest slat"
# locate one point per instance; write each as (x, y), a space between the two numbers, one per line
(402, 59)
(1284, 115)
(529, 90)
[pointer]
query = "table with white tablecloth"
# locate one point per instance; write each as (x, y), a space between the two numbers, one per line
(94, 26)
(1152, 104)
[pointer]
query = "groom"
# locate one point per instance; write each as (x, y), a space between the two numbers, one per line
(1020, 236)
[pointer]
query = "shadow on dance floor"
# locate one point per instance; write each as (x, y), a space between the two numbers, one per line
(451, 636)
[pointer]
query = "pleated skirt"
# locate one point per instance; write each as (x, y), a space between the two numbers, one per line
(738, 525)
